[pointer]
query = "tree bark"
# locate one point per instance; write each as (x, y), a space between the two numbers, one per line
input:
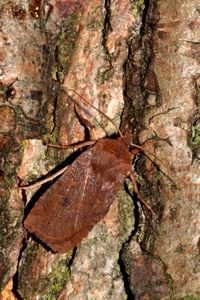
(138, 64)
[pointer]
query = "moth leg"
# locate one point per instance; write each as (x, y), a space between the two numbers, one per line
(135, 188)
(75, 146)
(95, 108)
(39, 183)
(86, 123)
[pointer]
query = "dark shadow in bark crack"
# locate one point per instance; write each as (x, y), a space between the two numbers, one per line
(125, 275)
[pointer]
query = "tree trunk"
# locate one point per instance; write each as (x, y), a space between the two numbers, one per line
(138, 64)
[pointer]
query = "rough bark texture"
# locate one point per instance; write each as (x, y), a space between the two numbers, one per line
(22, 96)
(171, 119)
(138, 58)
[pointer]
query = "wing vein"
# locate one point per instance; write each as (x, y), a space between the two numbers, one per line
(82, 198)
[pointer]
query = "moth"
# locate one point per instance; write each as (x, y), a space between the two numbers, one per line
(82, 195)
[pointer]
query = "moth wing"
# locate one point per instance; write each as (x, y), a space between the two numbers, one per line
(79, 199)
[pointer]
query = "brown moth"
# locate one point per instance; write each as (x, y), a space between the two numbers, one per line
(82, 195)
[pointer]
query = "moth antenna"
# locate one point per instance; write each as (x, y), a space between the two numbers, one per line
(95, 108)
(120, 133)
